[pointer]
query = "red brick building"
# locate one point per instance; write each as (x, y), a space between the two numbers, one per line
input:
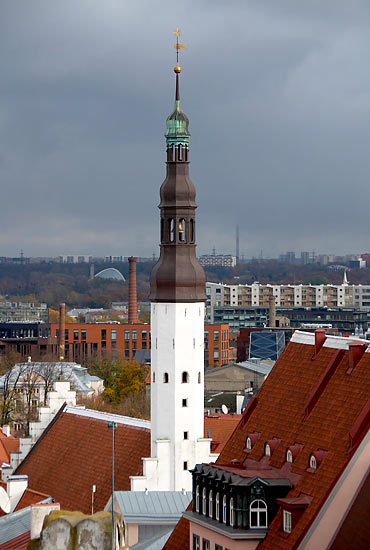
(86, 340)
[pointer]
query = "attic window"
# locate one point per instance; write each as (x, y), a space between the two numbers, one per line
(313, 463)
(287, 521)
(267, 450)
(197, 498)
(289, 456)
(248, 443)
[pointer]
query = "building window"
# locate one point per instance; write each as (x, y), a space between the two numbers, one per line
(199, 378)
(258, 513)
(197, 499)
(182, 230)
(153, 377)
(185, 378)
(287, 522)
(185, 465)
(210, 503)
(218, 506)
(114, 344)
(186, 435)
(103, 334)
(66, 336)
(165, 378)
(248, 443)
(218, 547)
(184, 402)
(232, 512)
(114, 335)
(204, 501)
(216, 335)
(289, 456)
(267, 450)
(134, 334)
(171, 229)
(313, 463)
(127, 335)
(206, 544)
(196, 542)
(224, 509)
(83, 335)
(75, 334)
(144, 334)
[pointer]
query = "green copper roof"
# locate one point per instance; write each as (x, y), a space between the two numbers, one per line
(177, 124)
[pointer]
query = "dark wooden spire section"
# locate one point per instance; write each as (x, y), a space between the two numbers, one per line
(177, 276)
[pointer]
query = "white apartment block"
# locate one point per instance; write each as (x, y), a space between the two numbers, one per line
(256, 294)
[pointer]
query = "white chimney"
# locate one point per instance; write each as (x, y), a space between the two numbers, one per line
(15, 487)
(6, 430)
(38, 514)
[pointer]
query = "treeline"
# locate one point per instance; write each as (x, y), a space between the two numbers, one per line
(69, 283)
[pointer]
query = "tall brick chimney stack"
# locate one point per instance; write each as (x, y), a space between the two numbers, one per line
(272, 310)
(62, 326)
(132, 294)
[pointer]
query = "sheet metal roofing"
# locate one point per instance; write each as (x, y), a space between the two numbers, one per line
(15, 524)
(155, 543)
(257, 366)
(152, 506)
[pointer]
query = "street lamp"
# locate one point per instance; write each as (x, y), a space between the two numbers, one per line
(112, 425)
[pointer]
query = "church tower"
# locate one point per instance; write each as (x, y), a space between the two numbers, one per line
(177, 296)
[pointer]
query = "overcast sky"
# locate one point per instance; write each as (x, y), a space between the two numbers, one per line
(278, 96)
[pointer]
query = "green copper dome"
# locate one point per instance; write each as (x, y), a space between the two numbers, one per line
(177, 124)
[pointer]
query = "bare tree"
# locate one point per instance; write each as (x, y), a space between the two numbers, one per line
(10, 386)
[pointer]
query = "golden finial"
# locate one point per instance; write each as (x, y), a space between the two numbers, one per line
(178, 47)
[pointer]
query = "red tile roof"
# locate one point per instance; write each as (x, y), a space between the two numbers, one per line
(29, 497)
(7, 445)
(75, 453)
(220, 427)
(280, 411)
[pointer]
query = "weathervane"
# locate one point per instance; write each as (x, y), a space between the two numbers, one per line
(178, 46)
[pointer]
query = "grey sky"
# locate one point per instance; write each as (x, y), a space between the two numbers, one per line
(278, 96)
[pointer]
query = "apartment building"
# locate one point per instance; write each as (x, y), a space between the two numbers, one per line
(258, 295)
(84, 341)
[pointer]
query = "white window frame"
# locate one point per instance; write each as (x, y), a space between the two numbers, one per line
(218, 506)
(248, 443)
(259, 509)
(287, 521)
(210, 503)
(204, 501)
(197, 498)
(224, 509)
(289, 456)
(267, 450)
(232, 512)
(313, 462)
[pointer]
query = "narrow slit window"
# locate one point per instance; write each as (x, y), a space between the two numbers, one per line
(182, 230)
(165, 378)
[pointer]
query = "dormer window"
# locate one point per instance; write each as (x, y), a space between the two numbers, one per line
(248, 443)
(267, 450)
(313, 463)
(204, 501)
(251, 440)
(210, 503)
(287, 521)
(258, 514)
(224, 509)
(292, 452)
(289, 456)
(218, 506)
(232, 512)
(197, 498)
(271, 445)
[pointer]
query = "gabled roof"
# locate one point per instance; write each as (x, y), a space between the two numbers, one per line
(7, 445)
(29, 497)
(75, 453)
(336, 422)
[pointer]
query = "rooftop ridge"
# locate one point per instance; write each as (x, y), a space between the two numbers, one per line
(109, 417)
(336, 342)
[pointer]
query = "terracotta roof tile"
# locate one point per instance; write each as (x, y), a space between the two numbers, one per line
(75, 453)
(220, 427)
(279, 411)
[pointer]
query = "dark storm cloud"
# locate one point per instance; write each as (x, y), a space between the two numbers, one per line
(278, 95)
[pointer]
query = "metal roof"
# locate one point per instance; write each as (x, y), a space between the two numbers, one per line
(256, 366)
(155, 543)
(15, 524)
(151, 506)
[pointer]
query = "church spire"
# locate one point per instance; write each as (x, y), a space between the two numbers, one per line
(177, 276)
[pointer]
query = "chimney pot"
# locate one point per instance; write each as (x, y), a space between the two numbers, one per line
(320, 338)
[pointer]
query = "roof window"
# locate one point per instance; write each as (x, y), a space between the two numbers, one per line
(315, 460)
(271, 445)
(250, 441)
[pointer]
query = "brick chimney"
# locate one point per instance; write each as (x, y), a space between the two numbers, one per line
(132, 294)
(272, 310)
(62, 326)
